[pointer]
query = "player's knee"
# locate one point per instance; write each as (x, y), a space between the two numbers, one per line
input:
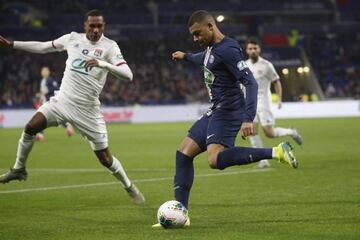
(105, 159)
(30, 129)
(269, 134)
(212, 160)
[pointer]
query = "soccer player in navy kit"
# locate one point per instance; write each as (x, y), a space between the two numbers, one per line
(224, 68)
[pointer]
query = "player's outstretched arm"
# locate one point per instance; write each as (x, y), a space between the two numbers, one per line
(196, 58)
(178, 55)
(122, 72)
(6, 43)
(278, 91)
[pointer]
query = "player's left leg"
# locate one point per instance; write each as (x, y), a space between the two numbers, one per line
(115, 167)
(223, 127)
(90, 124)
(275, 132)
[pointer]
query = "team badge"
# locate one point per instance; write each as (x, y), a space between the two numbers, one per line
(76, 45)
(98, 52)
(211, 59)
(85, 52)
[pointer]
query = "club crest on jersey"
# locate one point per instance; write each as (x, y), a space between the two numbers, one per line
(241, 65)
(76, 45)
(98, 52)
(85, 52)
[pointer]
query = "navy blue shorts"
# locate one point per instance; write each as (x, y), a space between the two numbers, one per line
(221, 127)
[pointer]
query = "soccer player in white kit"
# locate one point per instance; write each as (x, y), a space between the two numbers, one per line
(91, 56)
(265, 74)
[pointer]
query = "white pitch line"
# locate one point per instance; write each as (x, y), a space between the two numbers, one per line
(136, 181)
(80, 170)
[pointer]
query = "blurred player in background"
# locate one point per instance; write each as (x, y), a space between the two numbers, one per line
(91, 56)
(224, 69)
(48, 85)
(265, 74)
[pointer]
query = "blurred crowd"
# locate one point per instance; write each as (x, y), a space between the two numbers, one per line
(148, 31)
(336, 61)
(159, 80)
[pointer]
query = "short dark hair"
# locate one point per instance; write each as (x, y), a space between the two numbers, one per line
(93, 13)
(199, 16)
(252, 40)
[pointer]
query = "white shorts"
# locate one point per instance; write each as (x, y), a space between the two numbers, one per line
(88, 121)
(265, 117)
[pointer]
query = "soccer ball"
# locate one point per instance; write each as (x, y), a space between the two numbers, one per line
(172, 214)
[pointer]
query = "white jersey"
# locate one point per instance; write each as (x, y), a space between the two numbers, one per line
(79, 86)
(264, 73)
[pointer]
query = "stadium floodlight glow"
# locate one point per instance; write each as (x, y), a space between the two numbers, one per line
(220, 18)
(285, 71)
(300, 70)
(306, 69)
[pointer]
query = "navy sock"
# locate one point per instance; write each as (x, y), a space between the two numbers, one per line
(242, 155)
(184, 178)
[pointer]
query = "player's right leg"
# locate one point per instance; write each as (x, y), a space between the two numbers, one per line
(18, 172)
(191, 146)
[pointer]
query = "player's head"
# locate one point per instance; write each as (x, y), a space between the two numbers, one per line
(202, 27)
(253, 48)
(94, 25)
(45, 72)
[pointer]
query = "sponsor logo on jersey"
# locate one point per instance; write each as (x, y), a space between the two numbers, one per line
(241, 65)
(98, 52)
(209, 77)
(78, 66)
(85, 51)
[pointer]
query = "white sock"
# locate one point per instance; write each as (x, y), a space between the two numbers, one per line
(256, 141)
(24, 147)
(118, 171)
(274, 153)
(280, 132)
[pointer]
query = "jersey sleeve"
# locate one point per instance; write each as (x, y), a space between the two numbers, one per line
(234, 60)
(196, 58)
(61, 43)
(115, 56)
(272, 74)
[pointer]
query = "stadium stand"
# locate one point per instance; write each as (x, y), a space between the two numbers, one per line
(148, 31)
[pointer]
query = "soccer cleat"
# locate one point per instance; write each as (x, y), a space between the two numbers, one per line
(158, 225)
(263, 164)
(285, 155)
(14, 174)
(135, 194)
(69, 130)
(39, 137)
(296, 136)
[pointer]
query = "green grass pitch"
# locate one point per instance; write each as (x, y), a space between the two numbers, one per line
(69, 195)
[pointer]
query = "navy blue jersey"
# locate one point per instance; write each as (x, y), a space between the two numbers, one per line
(48, 87)
(224, 69)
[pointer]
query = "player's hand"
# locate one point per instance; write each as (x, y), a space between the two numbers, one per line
(178, 55)
(279, 104)
(247, 129)
(6, 43)
(89, 64)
